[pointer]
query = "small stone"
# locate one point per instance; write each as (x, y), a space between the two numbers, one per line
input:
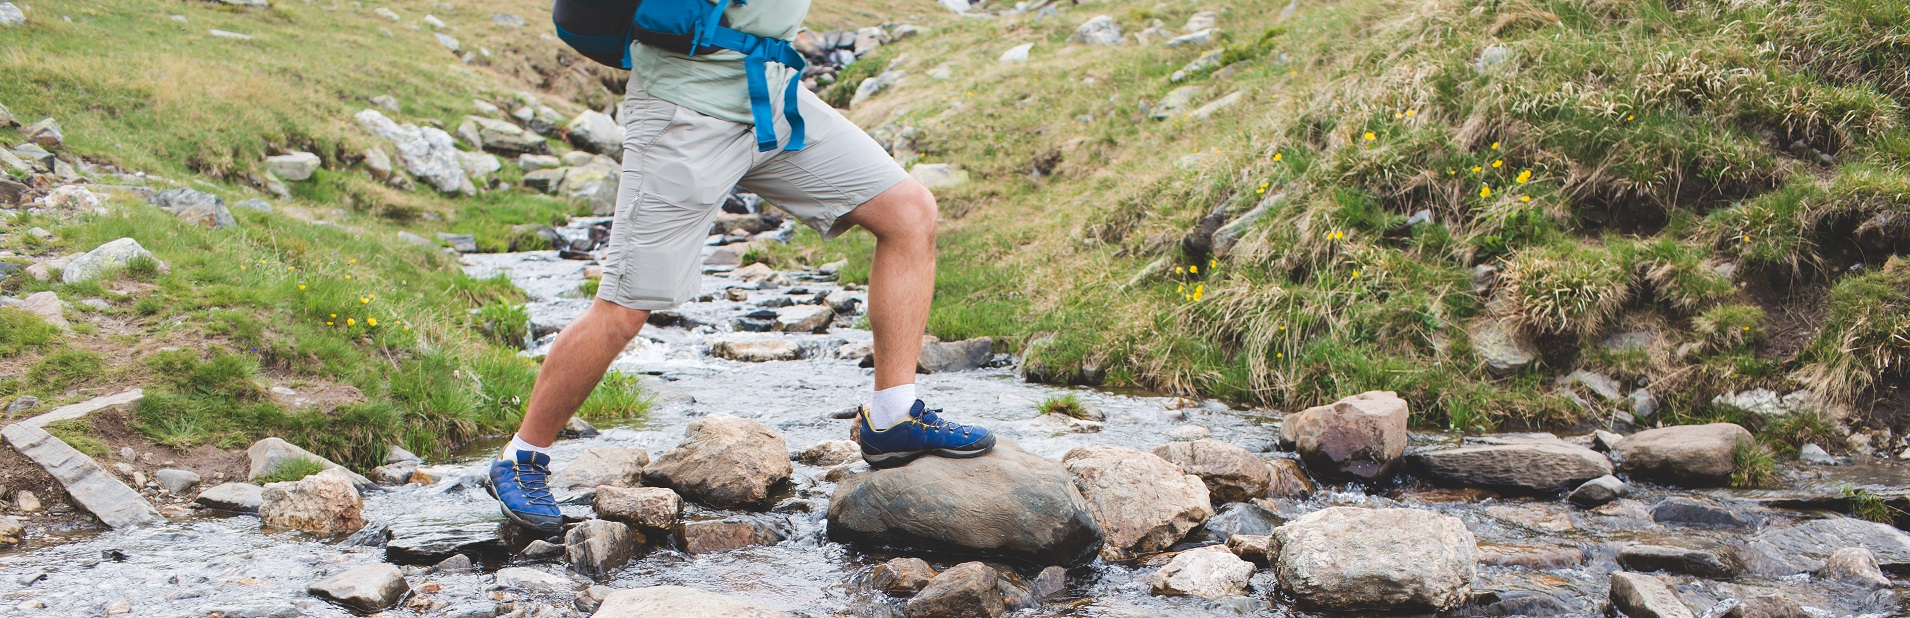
(1636, 595)
(1854, 565)
(119, 607)
(233, 497)
(1254, 548)
(323, 503)
(22, 404)
(1814, 454)
(967, 590)
(1774, 605)
(938, 176)
(1597, 492)
(1648, 558)
(830, 453)
(11, 530)
(368, 588)
(1210, 572)
(1099, 30)
(177, 481)
(295, 167)
(540, 549)
(1018, 53)
(597, 547)
(11, 15)
(1700, 513)
(649, 508)
(902, 577)
(26, 502)
(454, 564)
(526, 579)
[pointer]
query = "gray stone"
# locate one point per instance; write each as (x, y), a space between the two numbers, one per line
(500, 136)
(1176, 102)
(268, 455)
(1242, 519)
(196, 207)
(22, 404)
(508, 20)
(842, 301)
(1502, 347)
(10, 16)
(596, 132)
(1143, 504)
(1099, 30)
(1008, 503)
(597, 547)
(1210, 572)
(447, 41)
(755, 349)
(1854, 565)
(397, 473)
(176, 481)
(648, 508)
(1774, 605)
(1600, 384)
(710, 536)
(90, 486)
(1636, 595)
(945, 356)
(1201, 21)
(429, 541)
(295, 167)
(1359, 438)
(45, 133)
(679, 601)
(830, 453)
(47, 306)
(620, 467)
(479, 164)
(1536, 467)
(1649, 558)
(534, 162)
(1806, 547)
(368, 588)
(1597, 492)
(1350, 559)
(1689, 455)
(462, 243)
(967, 590)
(233, 497)
(804, 319)
(1699, 513)
(108, 257)
(427, 153)
(902, 576)
(326, 503)
(1194, 39)
(1018, 53)
(1814, 454)
(1232, 474)
(724, 461)
(938, 176)
(74, 199)
(873, 86)
(255, 204)
(454, 564)
(529, 580)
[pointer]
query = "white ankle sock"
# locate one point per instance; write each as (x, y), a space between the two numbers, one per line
(518, 444)
(891, 406)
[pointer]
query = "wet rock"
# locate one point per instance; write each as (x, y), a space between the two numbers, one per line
(1100, 30)
(702, 537)
(431, 542)
(902, 577)
(1688, 455)
(176, 481)
(967, 590)
(596, 132)
(1806, 547)
(233, 497)
(944, 356)
(368, 588)
(1815, 455)
(679, 602)
(1854, 565)
(755, 349)
(1501, 346)
(616, 467)
(1243, 518)
(724, 461)
(323, 503)
(1142, 503)
(394, 473)
(804, 319)
(1347, 558)
(196, 207)
(90, 486)
(1649, 558)
(457, 563)
(1523, 603)
(294, 167)
(1774, 605)
(1231, 473)
(540, 549)
(106, 258)
(1359, 438)
(268, 455)
(11, 530)
(648, 508)
(1699, 513)
(597, 547)
(1535, 467)
(527, 579)
(1210, 572)
(830, 453)
(1636, 595)
(1255, 548)
(1597, 492)
(1007, 503)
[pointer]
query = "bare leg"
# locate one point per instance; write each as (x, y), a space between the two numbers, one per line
(902, 280)
(576, 362)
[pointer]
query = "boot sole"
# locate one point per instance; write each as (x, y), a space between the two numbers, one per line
(898, 459)
(519, 520)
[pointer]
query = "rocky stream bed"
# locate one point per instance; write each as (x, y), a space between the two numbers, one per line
(1152, 506)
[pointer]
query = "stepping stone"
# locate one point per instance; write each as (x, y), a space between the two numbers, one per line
(92, 487)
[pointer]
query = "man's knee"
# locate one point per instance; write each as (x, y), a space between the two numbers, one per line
(621, 322)
(911, 212)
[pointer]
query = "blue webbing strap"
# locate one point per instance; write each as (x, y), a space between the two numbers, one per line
(706, 29)
(758, 52)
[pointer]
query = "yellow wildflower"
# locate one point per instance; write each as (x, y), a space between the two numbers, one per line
(1525, 198)
(1279, 355)
(1178, 270)
(334, 315)
(301, 286)
(1628, 117)
(1411, 112)
(1525, 176)
(328, 322)
(371, 321)
(1495, 145)
(1213, 264)
(347, 276)
(351, 321)
(1182, 289)
(1399, 115)
(1193, 268)
(1476, 169)
(1293, 72)
(241, 267)
(1497, 163)
(1276, 156)
(1356, 274)
(1283, 327)
(352, 261)
(1747, 329)
(1199, 290)
(1485, 191)
(1370, 136)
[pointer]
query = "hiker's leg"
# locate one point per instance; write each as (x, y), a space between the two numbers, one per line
(902, 277)
(576, 363)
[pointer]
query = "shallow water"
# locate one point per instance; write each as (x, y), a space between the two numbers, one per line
(212, 563)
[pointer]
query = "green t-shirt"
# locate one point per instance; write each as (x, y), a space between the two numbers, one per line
(715, 84)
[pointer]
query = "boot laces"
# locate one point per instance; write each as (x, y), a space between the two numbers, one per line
(532, 479)
(931, 418)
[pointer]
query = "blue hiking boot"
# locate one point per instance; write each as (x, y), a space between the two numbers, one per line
(925, 433)
(521, 486)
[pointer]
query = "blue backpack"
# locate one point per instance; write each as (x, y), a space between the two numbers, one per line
(601, 30)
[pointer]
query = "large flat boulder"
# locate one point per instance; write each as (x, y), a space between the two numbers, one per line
(1688, 455)
(679, 602)
(1009, 503)
(1360, 438)
(1530, 468)
(91, 487)
(1232, 474)
(724, 461)
(1142, 503)
(1780, 551)
(1357, 559)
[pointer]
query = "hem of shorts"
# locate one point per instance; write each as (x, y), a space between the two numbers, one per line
(641, 305)
(829, 232)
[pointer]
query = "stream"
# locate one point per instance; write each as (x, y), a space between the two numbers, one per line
(1529, 547)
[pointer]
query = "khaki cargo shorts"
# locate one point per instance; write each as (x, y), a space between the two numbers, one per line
(679, 166)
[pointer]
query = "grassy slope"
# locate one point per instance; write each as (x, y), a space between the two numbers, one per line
(279, 300)
(1659, 142)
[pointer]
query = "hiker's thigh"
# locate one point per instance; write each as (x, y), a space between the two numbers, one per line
(678, 167)
(839, 168)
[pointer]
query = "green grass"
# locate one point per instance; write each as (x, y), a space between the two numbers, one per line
(1870, 507)
(618, 397)
(1065, 404)
(21, 331)
(1752, 465)
(292, 470)
(64, 369)
(79, 434)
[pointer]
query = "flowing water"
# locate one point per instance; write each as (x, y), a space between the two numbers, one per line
(212, 563)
